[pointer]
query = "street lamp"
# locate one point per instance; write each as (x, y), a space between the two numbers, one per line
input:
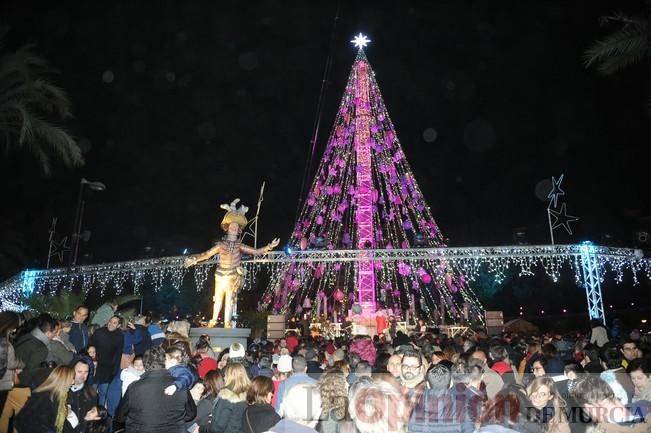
(79, 213)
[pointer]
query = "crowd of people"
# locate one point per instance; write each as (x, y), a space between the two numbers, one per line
(140, 376)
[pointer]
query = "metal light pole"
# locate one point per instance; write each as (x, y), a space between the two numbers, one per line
(79, 213)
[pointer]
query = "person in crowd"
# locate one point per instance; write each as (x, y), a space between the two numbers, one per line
(502, 364)
(178, 335)
(32, 349)
(629, 351)
(144, 341)
(412, 376)
(78, 334)
(436, 410)
(548, 405)
(132, 373)
(539, 367)
(205, 362)
(509, 412)
(130, 339)
(283, 371)
(47, 408)
(591, 361)
(491, 379)
(82, 397)
(299, 375)
(264, 367)
(555, 364)
(533, 350)
(598, 400)
(468, 391)
(213, 383)
(383, 399)
(60, 349)
(313, 365)
(599, 334)
(156, 334)
(301, 410)
(231, 402)
(363, 346)
(204, 405)
(96, 420)
(640, 372)
(184, 377)
(393, 365)
(291, 341)
(259, 416)
(108, 342)
(363, 369)
(104, 313)
(146, 408)
(615, 375)
(333, 390)
(12, 366)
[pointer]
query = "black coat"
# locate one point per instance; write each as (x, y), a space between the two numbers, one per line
(146, 408)
(38, 415)
(108, 346)
(258, 418)
(81, 402)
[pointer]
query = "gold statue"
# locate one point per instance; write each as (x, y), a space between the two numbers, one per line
(229, 274)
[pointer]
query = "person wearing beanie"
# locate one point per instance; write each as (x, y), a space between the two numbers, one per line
(299, 375)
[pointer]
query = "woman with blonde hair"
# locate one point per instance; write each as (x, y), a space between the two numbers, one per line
(231, 401)
(47, 408)
(548, 405)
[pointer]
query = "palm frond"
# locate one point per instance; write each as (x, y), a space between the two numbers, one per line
(58, 140)
(629, 45)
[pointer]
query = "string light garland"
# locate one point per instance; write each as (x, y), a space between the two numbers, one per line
(339, 265)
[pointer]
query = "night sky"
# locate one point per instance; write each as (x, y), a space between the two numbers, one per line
(181, 106)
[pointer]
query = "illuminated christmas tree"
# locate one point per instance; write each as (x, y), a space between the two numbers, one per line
(364, 196)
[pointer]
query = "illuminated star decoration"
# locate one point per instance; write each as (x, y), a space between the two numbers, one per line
(360, 41)
(556, 190)
(561, 218)
(60, 248)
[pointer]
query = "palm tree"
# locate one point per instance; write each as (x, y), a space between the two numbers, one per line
(627, 46)
(29, 103)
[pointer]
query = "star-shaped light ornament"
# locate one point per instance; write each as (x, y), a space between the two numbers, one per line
(360, 41)
(561, 218)
(556, 190)
(60, 248)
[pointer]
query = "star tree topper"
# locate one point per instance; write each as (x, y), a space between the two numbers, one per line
(360, 41)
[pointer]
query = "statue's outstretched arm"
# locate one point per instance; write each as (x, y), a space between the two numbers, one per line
(260, 251)
(191, 261)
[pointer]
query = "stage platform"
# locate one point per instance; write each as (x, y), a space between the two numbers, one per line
(221, 338)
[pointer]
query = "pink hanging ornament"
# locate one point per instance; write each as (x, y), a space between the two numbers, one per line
(303, 244)
(403, 269)
(339, 295)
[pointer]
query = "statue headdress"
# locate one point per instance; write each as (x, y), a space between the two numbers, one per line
(234, 214)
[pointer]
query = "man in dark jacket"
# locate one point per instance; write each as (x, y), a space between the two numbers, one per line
(79, 331)
(144, 343)
(82, 397)
(108, 342)
(146, 408)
